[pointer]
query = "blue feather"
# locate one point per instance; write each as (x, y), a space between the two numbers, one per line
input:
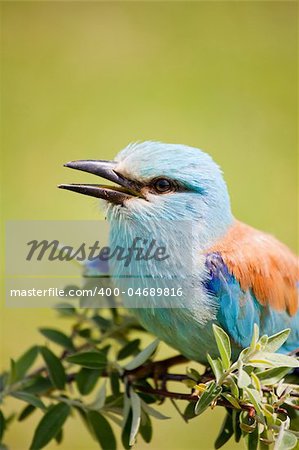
(239, 310)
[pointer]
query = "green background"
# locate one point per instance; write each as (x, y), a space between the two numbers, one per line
(80, 80)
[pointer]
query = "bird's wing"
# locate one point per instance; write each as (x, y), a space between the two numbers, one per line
(255, 279)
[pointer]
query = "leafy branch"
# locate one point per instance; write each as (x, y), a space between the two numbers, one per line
(100, 359)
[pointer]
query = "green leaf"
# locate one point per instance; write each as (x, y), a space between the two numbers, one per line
(256, 382)
(29, 398)
(58, 337)
(142, 356)
(223, 344)
(54, 367)
(102, 323)
(136, 415)
(29, 409)
(225, 433)
(153, 412)
(83, 415)
(100, 398)
(3, 380)
(102, 430)
(12, 372)
(266, 360)
(50, 425)
(263, 341)
(272, 376)
(288, 441)
(86, 379)
(114, 382)
(255, 336)
(146, 429)
(59, 436)
(276, 341)
(2, 425)
(231, 399)
(38, 385)
(216, 366)
(243, 378)
(234, 387)
(91, 360)
(192, 373)
(211, 393)
(65, 309)
(125, 435)
(189, 412)
(253, 439)
(23, 364)
(236, 425)
(129, 349)
(256, 400)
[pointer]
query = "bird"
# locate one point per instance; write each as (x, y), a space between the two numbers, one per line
(220, 270)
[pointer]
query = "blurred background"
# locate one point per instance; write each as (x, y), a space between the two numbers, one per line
(80, 80)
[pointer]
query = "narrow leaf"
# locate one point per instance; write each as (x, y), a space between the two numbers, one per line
(256, 400)
(23, 364)
(266, 359)
(29, 409)
(100, 398)
(136, 413)
(153, 412)
(54, 367)
(38, 385)
(253, 439)
(223, 344)
(288, 441)
(114, 383)
(216, 366)
(236, 425)
(272, 376)
(231, 399)
(86, 379)
(59, 436)
(12, 372)
(91, 360)
(142, 356)
(189, 412)
(243, 378)
(146, 429)
(211, 393)
(58, 337)
(2, 425)
(65, 309)
(255, 336)
(276, 341)
(225, 433)
(29, 398)
(126, 430)
(234, 387)
(129, 349)
(102, 430)
(50, 425)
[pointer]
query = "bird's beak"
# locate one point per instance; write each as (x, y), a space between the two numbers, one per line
(124, 190)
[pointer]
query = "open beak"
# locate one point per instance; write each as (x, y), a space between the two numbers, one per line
(124, 190)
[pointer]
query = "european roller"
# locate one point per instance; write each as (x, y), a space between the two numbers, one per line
(229, 273)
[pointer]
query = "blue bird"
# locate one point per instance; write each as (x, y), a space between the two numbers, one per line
(219, 270)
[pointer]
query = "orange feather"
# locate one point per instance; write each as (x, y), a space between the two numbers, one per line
(263, 264)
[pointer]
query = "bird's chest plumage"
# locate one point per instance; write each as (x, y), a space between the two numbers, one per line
(170, 301)
(179, 329)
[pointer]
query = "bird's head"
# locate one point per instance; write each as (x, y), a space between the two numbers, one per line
(160, 182)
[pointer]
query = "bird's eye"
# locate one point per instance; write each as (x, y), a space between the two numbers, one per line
(162, 185)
